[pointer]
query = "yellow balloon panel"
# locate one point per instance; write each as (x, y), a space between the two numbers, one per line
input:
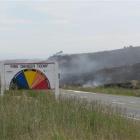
(30, 75)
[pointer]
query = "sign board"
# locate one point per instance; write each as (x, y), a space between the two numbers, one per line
(32, 76)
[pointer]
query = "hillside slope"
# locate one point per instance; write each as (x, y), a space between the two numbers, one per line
(84, 68)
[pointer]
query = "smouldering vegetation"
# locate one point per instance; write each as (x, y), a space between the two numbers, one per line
(30, 115)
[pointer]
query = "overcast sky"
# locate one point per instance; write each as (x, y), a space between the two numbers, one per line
(38, 29)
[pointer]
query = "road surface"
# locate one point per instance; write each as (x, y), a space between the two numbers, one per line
(130, 104)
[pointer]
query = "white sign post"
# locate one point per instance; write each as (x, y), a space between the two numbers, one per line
(2, 79)
(36, 76)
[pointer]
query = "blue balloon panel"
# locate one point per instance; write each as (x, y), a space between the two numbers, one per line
(21, 81)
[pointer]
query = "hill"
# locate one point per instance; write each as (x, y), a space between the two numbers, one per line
(101, 67)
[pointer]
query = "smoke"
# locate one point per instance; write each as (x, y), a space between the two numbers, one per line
(79, 65)
(80, 70)
(93, 69)
(92, 84)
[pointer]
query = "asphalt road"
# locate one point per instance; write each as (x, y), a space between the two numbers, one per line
(131, 105)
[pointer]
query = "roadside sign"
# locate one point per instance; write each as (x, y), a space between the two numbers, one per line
(29, 76)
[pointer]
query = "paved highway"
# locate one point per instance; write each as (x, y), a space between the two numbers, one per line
(130, 104)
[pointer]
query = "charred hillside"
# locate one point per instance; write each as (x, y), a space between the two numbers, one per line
(108, 66)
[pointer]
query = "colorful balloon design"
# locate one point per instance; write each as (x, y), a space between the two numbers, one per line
(30, 79)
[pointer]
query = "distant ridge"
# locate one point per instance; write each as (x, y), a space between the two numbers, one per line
(79, 65)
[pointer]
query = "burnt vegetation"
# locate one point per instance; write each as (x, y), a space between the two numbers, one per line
(101, 68)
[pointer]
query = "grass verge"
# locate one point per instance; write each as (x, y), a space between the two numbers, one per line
(38, 116)
(108, 90)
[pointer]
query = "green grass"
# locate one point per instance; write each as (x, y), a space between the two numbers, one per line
(108, 90)
(30, 115)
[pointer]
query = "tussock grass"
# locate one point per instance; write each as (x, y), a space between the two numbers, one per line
(30, 115)
(108, 90)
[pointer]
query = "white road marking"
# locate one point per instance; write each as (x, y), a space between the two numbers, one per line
(77, 91)
(81, 91)
(136, 119)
